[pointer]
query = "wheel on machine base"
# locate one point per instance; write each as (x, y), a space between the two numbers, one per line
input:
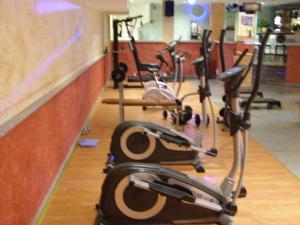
(118, 75)
(224, 98)
(208, 121)
(243, 192)
(222, 112)
(99, 220)
(242, 104)
(213, 152)
(200, 168)
(184, 116)
(188, 113)
(197, 120)
(123, 66)
(269, 106)
(165, 114)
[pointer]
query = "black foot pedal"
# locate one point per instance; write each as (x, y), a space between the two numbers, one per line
(110, 164)
(199, 168)
(108, 168)
(230, 209)
(100, 218)
(243, 193)
(213, 152)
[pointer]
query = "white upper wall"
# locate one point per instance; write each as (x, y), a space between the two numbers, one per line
(113, 6)
(267, 2)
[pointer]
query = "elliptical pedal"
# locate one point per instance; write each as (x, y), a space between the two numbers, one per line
(243, 193)
(198, 165)
(100, 217)
(110, 164)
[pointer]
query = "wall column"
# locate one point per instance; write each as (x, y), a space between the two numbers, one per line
(217, 19)
(167, 26)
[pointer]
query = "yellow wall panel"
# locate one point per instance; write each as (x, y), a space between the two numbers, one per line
(42, 42)
(217, 19)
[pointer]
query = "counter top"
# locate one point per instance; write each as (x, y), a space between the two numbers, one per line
(277, 33)
(292, 44)
(183, 41)
(143, 41)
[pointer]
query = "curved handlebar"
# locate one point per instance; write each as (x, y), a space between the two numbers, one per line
(205, 39)
(241, 57)
(129, 19)
(183, 55)
(260, 58)
(222, 56)
(250, 64)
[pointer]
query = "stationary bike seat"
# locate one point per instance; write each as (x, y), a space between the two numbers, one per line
(197, 61)
(152, 69)
(152, 65)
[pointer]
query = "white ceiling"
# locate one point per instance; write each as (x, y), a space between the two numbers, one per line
(112, 6)
(122, 6)
(267, 2)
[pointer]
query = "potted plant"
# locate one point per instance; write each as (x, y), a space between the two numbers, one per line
(263, 26)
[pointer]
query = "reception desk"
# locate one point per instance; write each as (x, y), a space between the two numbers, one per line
(293, 63)
(148, 49)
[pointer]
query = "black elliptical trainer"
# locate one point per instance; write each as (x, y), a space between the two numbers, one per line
(140, 141)
(141, 193)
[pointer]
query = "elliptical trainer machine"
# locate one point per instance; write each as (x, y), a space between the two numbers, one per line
(139, 193)
(158, 90)
(138, 141)
(118, 74)
(224, 112)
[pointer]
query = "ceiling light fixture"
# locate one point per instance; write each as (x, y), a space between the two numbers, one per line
(192, 2)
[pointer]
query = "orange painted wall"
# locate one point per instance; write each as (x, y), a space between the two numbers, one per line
(293, 68)
(240, 46)
(148, 50)
(229, 52)
(33, 152)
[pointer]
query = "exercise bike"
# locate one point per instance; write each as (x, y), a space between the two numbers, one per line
(158, 90)
(225, 111)
(168, 76)
(140, 193)
(147, 142)
(120, 69)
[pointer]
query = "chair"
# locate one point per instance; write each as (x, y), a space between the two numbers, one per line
(280, 39)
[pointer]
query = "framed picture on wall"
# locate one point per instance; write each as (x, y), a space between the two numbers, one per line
(246, 26)
(246, 20)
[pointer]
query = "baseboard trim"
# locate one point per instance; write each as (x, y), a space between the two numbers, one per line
(24, 114)
(38, 218)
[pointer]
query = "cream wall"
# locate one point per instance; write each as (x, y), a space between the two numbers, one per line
(217, 20)
(43, 42)
(167, 26)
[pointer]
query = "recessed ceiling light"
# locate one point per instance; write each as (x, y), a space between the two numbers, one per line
(192, 2)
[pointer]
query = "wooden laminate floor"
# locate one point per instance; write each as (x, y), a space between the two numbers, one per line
(273, 192)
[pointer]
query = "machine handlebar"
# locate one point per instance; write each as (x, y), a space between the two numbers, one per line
(261, 53)
(129, 19)
(222, 37)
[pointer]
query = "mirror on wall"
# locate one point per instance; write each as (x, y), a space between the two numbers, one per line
(151, 27)
(190, 20)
